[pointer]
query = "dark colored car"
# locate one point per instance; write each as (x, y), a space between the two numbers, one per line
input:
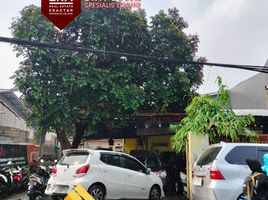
(175, 165)
(151, 160)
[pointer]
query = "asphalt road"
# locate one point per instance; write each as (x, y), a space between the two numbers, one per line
(19, 196)
(23, 196)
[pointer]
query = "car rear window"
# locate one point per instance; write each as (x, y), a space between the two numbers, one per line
(261, 152)
(209, 156)
(239, 154)
(74, 158)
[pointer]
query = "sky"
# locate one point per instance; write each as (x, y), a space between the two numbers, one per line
(230, 31)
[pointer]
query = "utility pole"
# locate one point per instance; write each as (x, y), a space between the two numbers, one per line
(42, 138)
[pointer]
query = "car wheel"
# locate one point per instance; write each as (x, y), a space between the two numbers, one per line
(97, 192)
(155, 193)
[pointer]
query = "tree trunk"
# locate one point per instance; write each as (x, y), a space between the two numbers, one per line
(79, 133)
(63, 140)
(81, 125)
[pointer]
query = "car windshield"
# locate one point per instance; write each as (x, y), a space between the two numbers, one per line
(153, 161)
(74, 158)
(141, 158)
(208, 156)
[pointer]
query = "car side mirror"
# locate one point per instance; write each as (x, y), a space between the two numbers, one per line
(148, 171)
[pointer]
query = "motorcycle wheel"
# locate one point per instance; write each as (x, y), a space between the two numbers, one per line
(56, 197)
(24, 184)
(32, 198)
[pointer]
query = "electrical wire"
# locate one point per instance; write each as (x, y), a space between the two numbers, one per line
(58, 46)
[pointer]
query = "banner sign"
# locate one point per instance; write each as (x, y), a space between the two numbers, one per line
(33, 151)
(15, 153)
(61, 12)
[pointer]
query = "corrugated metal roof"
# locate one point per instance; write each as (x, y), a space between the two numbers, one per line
(16, 102)
(250, 94)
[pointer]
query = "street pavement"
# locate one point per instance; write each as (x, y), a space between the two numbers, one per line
(23, 196)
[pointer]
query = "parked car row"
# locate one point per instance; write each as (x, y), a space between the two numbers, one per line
(218, 173)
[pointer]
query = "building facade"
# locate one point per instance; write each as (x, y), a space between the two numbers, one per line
(13, 126)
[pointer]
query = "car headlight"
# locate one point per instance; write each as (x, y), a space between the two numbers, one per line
(163, 174)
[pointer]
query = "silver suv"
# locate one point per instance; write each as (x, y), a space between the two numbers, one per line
(219, 172)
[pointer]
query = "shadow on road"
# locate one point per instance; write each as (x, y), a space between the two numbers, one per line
(23, 196)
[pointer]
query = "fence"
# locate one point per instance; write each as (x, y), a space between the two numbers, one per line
(262, 138)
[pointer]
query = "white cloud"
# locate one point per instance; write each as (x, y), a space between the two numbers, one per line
(232, 32)
(9, 61)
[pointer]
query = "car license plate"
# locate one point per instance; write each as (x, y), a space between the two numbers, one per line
(197, 181)
(62, 189)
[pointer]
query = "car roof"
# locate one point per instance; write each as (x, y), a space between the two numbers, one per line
(100, 151)
(222, 144)
(92, 151)
(143, 153)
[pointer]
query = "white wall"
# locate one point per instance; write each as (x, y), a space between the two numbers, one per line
(9, 119)
(51, 138)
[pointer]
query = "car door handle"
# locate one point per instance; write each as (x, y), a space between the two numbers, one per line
(129, 175)
(105, 171)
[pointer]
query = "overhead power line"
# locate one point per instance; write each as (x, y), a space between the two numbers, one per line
(58, 46)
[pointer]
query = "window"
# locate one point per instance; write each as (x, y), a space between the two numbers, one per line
(239, 154)
(74, 158)
(261, 152)
(132, 164)
(110, 159)
(209, 156)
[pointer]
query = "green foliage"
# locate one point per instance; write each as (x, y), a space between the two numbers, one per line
(214, 117)
(56, 84)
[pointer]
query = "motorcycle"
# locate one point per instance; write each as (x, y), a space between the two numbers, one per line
(183, 179)
(12, 178)
(20, 178)
(38, 182)
(5, 181)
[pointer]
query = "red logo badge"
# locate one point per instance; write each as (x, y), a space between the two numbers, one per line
(61, 12)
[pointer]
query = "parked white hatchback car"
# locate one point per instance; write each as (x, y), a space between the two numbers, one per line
(105, 174)
(220, 171)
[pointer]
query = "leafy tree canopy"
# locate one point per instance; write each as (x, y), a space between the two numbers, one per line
(214, 117)
(65, 88)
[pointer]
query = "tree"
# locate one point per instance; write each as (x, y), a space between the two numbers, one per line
(214, 117)
(70, 91)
